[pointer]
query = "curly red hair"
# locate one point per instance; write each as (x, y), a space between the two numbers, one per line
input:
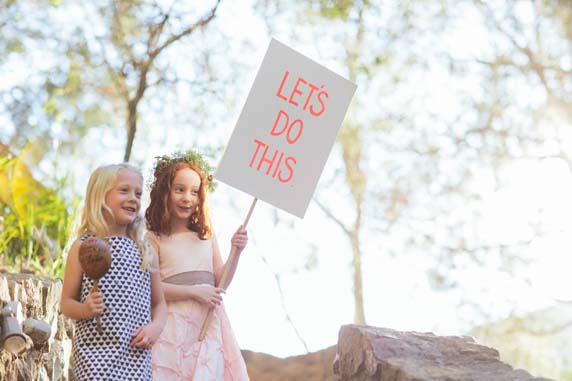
(157, 214)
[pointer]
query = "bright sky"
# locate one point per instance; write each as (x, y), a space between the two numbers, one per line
(396, 290)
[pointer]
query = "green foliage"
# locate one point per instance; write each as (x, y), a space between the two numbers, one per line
(190, 157)
(336, 9)
(34, 220)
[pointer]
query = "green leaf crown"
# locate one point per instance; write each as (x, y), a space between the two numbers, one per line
(190, 157)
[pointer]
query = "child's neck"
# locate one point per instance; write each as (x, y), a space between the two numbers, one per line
(115, 230)
(179, 226)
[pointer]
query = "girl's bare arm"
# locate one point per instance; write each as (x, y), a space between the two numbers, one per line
(69, 303)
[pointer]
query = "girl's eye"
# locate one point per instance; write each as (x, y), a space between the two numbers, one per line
(138, 194)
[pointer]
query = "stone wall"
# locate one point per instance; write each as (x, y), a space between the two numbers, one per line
(39, 297)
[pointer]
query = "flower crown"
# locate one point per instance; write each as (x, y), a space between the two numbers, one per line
(189, 157)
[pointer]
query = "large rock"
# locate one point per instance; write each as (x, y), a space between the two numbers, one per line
(39, 297)
(369, 353)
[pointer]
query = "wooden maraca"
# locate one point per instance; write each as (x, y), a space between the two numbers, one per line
(95, 260)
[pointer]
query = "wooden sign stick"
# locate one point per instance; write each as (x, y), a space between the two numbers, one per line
(222, 282)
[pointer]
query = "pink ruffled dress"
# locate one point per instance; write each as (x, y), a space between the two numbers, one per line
(178, 355)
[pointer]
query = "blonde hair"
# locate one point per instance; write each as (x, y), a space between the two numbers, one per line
(92, 220)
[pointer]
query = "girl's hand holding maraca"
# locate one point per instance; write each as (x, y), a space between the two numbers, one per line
(95, 259)
(94, 304)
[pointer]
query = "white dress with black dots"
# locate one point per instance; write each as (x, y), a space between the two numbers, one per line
(126, 293)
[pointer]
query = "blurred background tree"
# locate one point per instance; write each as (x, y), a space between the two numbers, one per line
(454, 98)
(89, 68)
(429, 160)
(95, 70)
(459, 104)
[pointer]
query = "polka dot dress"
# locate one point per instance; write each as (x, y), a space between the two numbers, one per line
(126, 293)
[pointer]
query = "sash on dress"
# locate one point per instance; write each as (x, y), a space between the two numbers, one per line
(190, 278)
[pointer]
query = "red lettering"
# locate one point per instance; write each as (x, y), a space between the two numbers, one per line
(296, 91)
(280, 114)
(293, 140)
(263, 160)
(256, 152)
(290, 129)
(290, 169)
(313, 88)
(278, 165)
(306, 92)
(318, 113)
(278, 93)
(284, 169)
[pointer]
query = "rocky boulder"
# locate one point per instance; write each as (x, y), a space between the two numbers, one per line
(369, 353)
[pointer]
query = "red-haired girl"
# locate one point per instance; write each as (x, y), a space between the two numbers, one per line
(190, 266)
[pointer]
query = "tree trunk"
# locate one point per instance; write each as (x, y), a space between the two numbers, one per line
(350, 140)
(359, 314)
(131, 127)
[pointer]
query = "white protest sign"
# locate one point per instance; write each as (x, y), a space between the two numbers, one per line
(286, 129)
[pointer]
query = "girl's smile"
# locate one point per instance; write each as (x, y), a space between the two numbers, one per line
(132, 209)
(123, 200)
(184, 195)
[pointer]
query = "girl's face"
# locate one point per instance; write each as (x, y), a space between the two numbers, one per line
(124, 198)
(184, 195)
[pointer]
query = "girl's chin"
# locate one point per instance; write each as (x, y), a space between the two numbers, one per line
(125, 221)
(130, 216)
(183, 216)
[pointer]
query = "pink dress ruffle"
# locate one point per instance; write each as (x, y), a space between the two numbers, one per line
(178, 355)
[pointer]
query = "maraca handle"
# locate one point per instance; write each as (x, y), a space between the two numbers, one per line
(95, 288)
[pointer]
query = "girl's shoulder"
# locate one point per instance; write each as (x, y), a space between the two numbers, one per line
(152, 237)
(154, 241)
(73, 245)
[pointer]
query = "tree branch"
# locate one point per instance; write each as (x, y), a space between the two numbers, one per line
(283, 302)
(185, 32)
(334, 218)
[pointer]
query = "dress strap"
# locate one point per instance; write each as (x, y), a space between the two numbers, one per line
(85, 236)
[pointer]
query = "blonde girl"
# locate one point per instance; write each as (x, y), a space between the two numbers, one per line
(130, 302)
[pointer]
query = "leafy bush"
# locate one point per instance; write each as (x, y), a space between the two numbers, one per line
(35, 221)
